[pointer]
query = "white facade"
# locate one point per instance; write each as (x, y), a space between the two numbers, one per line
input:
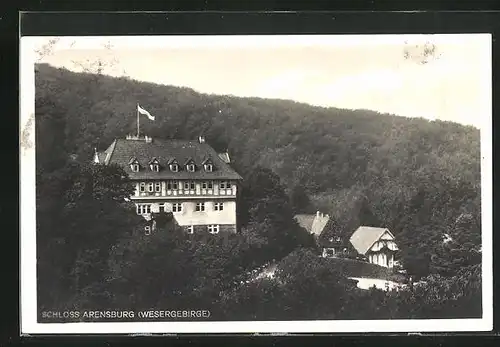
(385, 259)
(382, 259)
(192, 203)
(186, 213)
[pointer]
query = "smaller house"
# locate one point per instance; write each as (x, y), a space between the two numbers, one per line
(376, 244)
(315, 224)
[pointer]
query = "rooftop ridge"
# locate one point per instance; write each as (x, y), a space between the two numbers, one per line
(145, 149)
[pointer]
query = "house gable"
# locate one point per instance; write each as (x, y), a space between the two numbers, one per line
(387, 236)
(365, 237)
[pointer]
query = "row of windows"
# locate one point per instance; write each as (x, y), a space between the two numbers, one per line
(177, 207)
(174, 185)
(212, 228)
(173, 167)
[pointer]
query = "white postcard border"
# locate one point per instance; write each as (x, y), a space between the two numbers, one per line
(28, 297)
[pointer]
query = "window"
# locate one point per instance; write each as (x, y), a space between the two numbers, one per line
(162, 208)
(219, 206)
(155, 167)
(190, 229)
(177, 207)
(143, 209)
(209, 167)
(157, 187)
(135, 167)
(172, 185)
(213, 229)
(200, 206)
(142, 187)
(147, 230)
(174, 167)
(207, 185)
(150, 187)
(189, 185)
(225, 185)
(190, 167)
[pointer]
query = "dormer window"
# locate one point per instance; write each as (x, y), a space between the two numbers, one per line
(134, 165)
(207, 165)
(174, 167)
(189, 164)
(154, 165)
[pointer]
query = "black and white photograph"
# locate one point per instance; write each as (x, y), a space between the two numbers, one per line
(259, 183)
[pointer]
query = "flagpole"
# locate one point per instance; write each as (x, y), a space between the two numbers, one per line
(137, 108)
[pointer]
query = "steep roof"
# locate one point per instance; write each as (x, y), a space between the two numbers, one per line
(121, 151)
(305, 221)
(225, 157)
(313, 223)
(319, 224)
(364, 237)
(101, 157)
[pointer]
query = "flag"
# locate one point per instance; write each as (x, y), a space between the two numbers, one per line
(143, 111)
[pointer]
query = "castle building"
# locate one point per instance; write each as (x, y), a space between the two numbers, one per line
(188, 178)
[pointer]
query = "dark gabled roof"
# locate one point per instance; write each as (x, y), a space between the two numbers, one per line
(189, 161)
(132, 160)
(168, 151)
(207, 160)
(364, 237)
(153, 160)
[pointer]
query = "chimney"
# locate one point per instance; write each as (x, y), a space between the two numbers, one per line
(96, 156)
(317, 213)
(148, 139)
(201, 139)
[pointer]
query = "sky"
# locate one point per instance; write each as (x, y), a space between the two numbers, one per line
(385, 73)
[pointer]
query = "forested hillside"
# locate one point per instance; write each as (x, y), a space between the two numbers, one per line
(419, 178)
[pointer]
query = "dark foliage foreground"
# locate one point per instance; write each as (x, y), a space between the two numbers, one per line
(93, 254)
